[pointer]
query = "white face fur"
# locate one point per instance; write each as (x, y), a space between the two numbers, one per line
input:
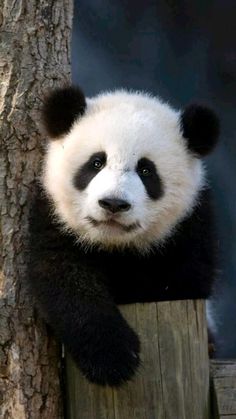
(127, 127)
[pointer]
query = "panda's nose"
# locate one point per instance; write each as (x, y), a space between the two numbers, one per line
(114, 205)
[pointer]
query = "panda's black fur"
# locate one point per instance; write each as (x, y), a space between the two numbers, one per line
(78, 290)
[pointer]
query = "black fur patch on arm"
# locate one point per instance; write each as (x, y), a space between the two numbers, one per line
(73, 299)
(200, 126)
(60, 110)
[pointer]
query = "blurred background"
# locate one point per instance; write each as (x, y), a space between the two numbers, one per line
(184, 51)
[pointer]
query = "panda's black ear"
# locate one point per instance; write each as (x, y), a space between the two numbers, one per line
(200, 126)
(61, 108)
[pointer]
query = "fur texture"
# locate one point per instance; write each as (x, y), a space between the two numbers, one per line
(201, 129)
(61, 109)
(132, 223)
(153, 133)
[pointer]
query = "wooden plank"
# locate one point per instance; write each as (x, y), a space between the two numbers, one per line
(223, 368)
(173, 380)
(223, 379)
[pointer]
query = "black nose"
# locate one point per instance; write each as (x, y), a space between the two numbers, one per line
(114, 205)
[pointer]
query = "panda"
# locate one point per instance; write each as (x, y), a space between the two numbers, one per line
(122, 214)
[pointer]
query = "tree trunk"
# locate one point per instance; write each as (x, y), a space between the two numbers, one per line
(34, 56)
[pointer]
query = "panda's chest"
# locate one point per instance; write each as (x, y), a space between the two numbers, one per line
(131, 278)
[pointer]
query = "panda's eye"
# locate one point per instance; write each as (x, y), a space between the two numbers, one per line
(144, 171)
(98, 164)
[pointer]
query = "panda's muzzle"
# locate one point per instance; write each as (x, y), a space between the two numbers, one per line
(113, 223)
(114, 205)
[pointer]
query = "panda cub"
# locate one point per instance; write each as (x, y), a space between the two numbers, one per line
(123, 215)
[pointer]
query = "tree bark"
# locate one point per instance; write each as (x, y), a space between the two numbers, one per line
(34, 56)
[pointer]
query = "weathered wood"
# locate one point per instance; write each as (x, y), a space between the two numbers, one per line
(34, 56)
(173, 381)
(223, 381)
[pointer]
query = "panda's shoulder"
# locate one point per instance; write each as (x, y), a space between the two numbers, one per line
(199, 225)
(45, 231)
(40, 208)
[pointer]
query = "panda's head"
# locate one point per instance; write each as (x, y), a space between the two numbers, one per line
(123, 168)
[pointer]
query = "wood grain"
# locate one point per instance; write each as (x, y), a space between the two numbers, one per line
(173, 380)
(223, 380)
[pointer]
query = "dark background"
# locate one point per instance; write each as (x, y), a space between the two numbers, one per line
(184, 51)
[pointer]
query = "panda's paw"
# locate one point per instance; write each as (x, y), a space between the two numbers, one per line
(113, 358)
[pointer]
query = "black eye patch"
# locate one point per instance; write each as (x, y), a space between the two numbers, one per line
(147, 172)
(89, 170)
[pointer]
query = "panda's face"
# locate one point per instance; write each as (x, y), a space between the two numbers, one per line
(123, 175)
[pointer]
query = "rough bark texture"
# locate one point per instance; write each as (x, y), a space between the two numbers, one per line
(34, 56)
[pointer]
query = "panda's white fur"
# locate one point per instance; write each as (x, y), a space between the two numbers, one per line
(127, 126)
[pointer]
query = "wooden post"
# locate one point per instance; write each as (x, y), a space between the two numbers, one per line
(173, 381)
(223, 383)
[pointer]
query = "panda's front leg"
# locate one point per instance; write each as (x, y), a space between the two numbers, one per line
(108, 349)
(84, 317)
